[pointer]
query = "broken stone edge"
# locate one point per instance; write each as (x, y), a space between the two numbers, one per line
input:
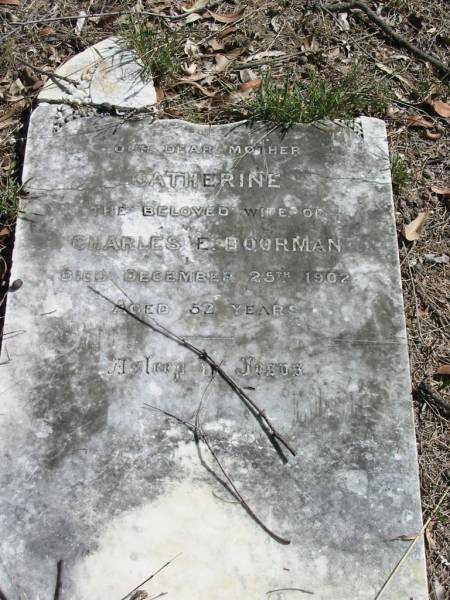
(105, 75)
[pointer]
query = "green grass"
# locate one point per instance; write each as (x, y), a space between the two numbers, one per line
(10, 192)
(157, 50)
(318, 98)
(399, 171)
(7, 53)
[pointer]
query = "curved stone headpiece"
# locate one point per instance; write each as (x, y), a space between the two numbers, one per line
(105, 75)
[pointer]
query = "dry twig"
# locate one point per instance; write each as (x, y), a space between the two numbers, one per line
(402, 41)
(228, 484)
(151, 577)
(260, 415)
(117, 13)
(59, 580)
(429, 394)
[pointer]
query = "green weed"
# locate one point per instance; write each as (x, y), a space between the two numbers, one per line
(7, 55)
(156, 50)
(317, 98)
(10, 192)
(441, 517)
(399, 172)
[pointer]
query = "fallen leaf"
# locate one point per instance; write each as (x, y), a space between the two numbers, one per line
(12, 113)
(53, 55)
(80, 22)
(37, 84)
(265, 54)
(189, 69)
(429, 536)
(342, 20)
(391, 111)
(440, 108)
(16, 86)
(394, 74)
(441, 191)
(245, 90)
(226, 32)
(419, 121)
(198, 5)
(443, 370)
(137, 8)
(29, 79)
(247, 75)
(15, 89)
(398, 95)
(222, 62)
(216, 45)
(311, 44)
(10, 2)
(333, 53)
(159, 94)
(443, 259)
(230, 18)
(191, 49)
(4, 232)
(191, 18)
(439, 589)
(413, 230)
(433, 135)
(253, 84)
(196, 76)
(27, 76)
(275, 23)
(46, 31)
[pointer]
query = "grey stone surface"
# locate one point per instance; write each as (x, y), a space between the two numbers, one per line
(106, 74)
(276, 253)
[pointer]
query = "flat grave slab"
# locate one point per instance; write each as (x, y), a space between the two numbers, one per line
(272, 256)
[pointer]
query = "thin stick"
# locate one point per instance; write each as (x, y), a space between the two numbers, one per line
(410, 547)
(428, 392)
(118, 13)
(57, 79)
(47, 74)
(258, 413)
(59, 580)
(199, 434)
(151, 577)
(344, 6)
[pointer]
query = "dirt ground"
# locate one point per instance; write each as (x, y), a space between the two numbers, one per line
(218, 53)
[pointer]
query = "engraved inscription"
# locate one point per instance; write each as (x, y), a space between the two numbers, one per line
(182, 180)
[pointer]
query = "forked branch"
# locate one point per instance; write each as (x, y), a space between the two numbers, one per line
(381, 23)
(227, 482)
(275, 437)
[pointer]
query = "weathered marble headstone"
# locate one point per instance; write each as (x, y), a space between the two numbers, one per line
(276, 254)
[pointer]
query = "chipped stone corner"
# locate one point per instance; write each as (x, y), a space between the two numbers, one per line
(105, 75)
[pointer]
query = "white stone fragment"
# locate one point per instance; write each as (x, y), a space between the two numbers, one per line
(106, 74)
